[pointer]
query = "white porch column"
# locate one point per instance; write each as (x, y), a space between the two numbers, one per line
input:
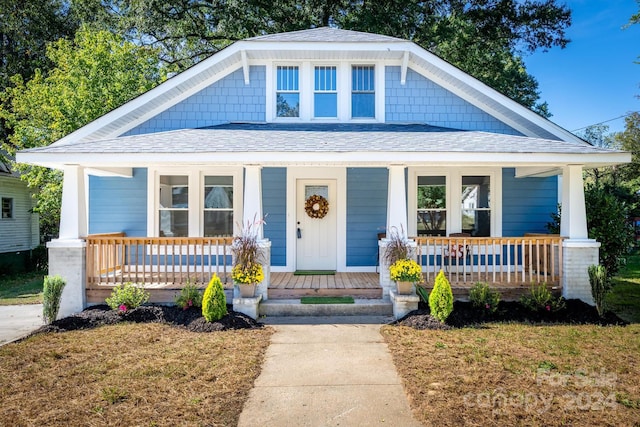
(579, 252)
(573, 223)
(397, 199)
(67, 254)
(253, 196)
(73, 211)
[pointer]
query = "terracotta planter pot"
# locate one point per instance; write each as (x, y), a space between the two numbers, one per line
(404, 288)
(247, 291)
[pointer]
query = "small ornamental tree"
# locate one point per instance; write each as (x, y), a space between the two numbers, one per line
(214, 302)
(51, 294)
(600, 286)
(441, 298)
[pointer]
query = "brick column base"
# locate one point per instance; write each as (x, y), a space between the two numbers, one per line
(67, 258)
(577, 256)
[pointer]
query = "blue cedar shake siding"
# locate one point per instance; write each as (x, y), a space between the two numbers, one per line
(366, 214)
(527, 203)
(274, 207)
(227, 100)
(119, 204)
(420, 100)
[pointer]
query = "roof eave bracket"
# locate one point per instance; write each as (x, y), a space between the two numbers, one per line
(405, 65)
(245, 66)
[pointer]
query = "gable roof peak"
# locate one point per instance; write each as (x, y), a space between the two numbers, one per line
(326, 35)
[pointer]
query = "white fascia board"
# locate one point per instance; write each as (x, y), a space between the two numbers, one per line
(147, 97)
(548, 160)
(250, 46)
(491, 93)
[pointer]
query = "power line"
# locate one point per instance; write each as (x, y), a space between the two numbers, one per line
(603, 122)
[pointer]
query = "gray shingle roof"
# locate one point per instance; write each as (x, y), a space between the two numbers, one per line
(326, 35)
(322, 138)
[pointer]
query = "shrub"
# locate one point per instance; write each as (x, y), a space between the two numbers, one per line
(405, 270)
(441, 298)
(189, 296)
(127, 297)
(51, 294)
(214, 302)
(600, 286)
(540, 298)
(483, 297)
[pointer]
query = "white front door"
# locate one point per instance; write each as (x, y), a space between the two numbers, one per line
(316, 238)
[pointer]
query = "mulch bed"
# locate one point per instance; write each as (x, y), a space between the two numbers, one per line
(190, 319)
(465, 315)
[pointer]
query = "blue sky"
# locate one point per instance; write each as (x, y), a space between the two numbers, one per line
(594, 78)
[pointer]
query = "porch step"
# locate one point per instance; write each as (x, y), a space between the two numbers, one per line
(293, 307)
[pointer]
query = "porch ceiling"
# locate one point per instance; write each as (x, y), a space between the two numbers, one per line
(324, 144)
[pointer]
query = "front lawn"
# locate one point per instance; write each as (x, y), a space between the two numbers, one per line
(518, 374)
(25, 288)
(130, 374)
(624, 299)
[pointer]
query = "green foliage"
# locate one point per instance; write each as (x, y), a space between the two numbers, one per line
(608, 222)
(214, 301)
(127, 297)
(245, 247)
(483, 297)
(52, 292)
(189, 296)
(540, 298)
(422, 293)
(91, 75)
(441, 298)
(600, 286)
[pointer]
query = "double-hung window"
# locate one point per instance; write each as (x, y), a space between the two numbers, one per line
(288, 91)
(218, 206)
(476, 205)
(173, 219)
(7, 208)
(325, 93)
(432, 205)
(363, 96)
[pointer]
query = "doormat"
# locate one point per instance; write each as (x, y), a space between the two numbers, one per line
(327, 300)
(314, 273)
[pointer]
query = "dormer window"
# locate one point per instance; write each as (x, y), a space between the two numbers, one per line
(363, 94)
(288, 91)
(325, 94)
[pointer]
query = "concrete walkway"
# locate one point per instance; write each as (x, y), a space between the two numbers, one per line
(16, 321)
(329, 374)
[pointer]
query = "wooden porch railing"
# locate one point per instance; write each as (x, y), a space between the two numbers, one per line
(114, 258)
(501, 260)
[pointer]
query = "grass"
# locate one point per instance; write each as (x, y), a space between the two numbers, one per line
(624, 299)
(130, 374)
(511, 374)
(25, 288)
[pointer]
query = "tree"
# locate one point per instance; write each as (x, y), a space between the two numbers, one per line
(93, 74)
(25, 29)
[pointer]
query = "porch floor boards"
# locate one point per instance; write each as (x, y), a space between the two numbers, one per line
(357, 285)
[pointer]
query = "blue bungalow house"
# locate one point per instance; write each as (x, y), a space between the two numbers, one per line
(336, 137)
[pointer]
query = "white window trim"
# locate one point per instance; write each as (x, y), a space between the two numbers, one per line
(196, 195)
(453, 178)
(12, 209)
(306, 90)
(314, 92)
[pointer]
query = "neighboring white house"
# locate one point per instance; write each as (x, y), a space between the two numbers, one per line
(19, 227)
(359, 120)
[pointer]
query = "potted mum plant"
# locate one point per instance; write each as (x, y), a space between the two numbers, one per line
(405, 272)
(247, 269)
